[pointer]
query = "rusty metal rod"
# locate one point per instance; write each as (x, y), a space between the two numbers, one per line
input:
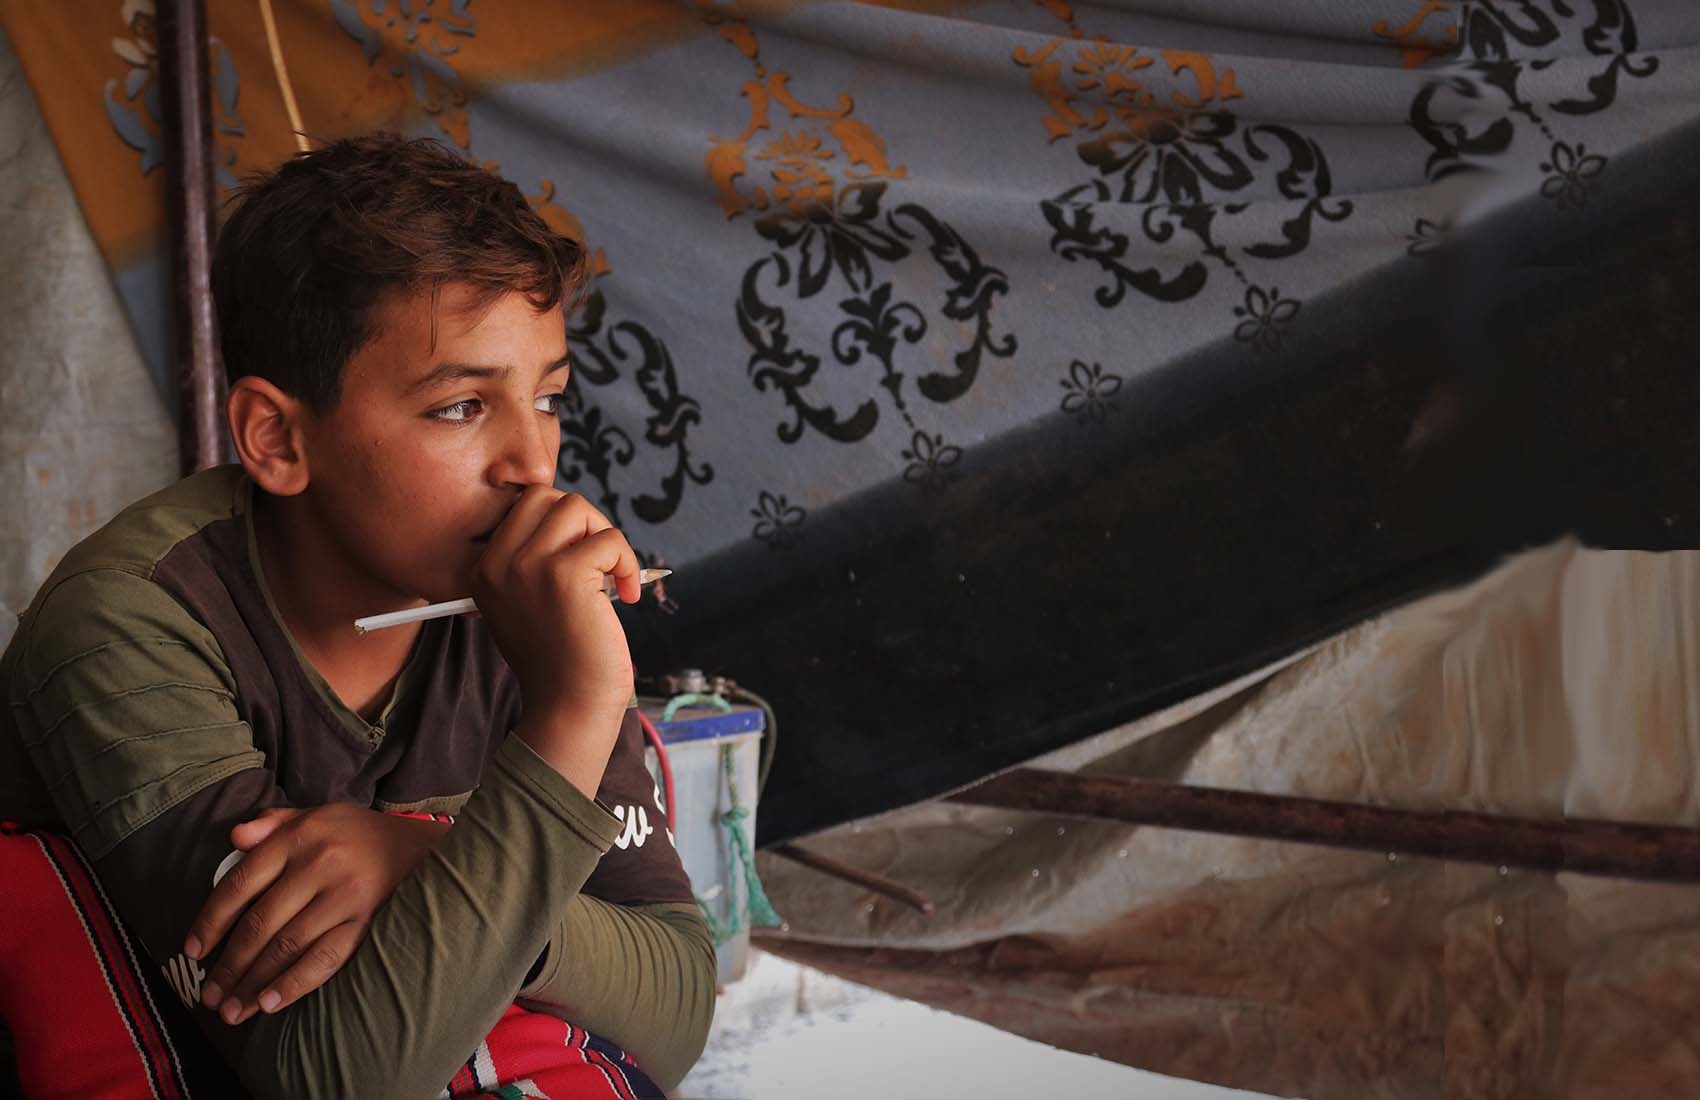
(1616, 849)
(827, 865)
(189, 199)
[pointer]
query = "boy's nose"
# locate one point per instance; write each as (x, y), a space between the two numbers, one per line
(529, 458)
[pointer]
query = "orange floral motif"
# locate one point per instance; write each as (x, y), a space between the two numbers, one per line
(563, 221)
(815, 186)
(1063, 11)
(415, 42)
(801, 173)
(1416, 50)
(1110, 67)
(1171, 161)
(1103, 75)
(799, 162)
(803, 169)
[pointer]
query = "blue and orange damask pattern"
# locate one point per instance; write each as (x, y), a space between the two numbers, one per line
(929, 223)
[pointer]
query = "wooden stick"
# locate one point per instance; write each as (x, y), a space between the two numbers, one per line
(189, 205)
(1612, 848)
(829, 866)
(281, 71)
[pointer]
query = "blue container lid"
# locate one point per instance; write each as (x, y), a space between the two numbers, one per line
(700, 723)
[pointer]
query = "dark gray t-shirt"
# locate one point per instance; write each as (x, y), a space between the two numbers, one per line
(156, 700)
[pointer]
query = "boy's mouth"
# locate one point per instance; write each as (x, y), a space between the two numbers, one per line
(483, 539)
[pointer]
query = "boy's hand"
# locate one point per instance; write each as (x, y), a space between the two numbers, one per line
(305, 892)
(539, 589)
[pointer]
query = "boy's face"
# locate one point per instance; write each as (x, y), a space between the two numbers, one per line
(431, 444)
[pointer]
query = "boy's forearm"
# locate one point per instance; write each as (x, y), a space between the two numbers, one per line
(574, 740)
(446, 954)
(640, 976)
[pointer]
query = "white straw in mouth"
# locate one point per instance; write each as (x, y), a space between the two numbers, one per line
(461, 607)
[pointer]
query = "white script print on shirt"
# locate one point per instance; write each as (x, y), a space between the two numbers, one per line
(636, 827)
(662, 806)
(185, 976)
(184, 973)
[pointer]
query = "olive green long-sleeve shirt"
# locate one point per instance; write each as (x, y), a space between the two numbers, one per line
(154, 700)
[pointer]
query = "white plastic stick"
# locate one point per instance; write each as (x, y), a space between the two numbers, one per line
(461, 607)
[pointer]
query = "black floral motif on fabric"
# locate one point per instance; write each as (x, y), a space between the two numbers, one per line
(1472, 112)
(1089, 392)
(1570, 174)
(779, 523)
(818, 187)
(845, 239)
(1179, 165)
(592, 446)
(931, 461)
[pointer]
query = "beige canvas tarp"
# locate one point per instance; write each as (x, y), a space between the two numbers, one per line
(1561, 684)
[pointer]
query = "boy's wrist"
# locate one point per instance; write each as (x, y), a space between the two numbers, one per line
(573, 737)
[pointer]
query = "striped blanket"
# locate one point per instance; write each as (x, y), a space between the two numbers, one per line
(93, 1018)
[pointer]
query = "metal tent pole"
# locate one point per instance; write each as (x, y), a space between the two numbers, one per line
(1616, 849)
(838, 869)
(189, 204)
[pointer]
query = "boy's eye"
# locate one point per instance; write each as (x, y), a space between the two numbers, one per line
(550, 403)
(456, 413)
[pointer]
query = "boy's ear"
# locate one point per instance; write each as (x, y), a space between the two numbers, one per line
(267, 430)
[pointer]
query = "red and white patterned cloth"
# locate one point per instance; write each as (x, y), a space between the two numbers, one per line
(533, 1055)
(84, 1020)
(90, 1020)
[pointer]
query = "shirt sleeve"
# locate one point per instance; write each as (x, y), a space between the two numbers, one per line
(448, 952)
(125, 706)
(631, 958)
(128, 713)
(641, 976)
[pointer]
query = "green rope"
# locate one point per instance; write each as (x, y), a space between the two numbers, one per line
(758, 910)
(720, 933)
(761, 910)
(693, 699)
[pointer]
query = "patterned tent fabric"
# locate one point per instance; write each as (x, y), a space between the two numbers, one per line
(998, 374)
(878, 285)
(838, 244)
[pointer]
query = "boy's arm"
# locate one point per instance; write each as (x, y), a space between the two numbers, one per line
(641, 976)
(632, 959)
(446, 954)
(127, 708)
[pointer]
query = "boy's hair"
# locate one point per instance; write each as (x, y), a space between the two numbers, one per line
(313, 248)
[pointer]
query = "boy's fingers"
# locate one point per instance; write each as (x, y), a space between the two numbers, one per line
(322, 960)
(240, 885)
(258, 926)
(292, 942)
(522, 519)
(628, 578)
(253, 832)
(570, 519)
(606, 553)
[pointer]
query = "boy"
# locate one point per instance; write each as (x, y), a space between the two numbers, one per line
(189, 679)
